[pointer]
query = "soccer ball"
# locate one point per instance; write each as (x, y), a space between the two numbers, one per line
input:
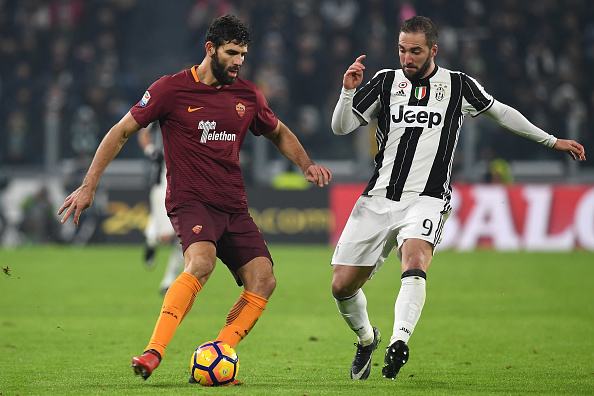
(214, 363)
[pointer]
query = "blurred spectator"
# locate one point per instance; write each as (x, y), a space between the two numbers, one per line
(18, 135)
(500, 172)
(40, 223)
(78, 54)
(85, 131)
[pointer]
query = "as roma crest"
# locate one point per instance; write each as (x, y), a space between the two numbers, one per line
(197, 229)
(240, 109)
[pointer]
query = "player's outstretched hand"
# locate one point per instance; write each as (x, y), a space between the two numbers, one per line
(354, 75)
(318, 174)
(575, 150)
(76, 202)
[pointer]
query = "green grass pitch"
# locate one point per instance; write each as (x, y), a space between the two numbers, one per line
(494, 323)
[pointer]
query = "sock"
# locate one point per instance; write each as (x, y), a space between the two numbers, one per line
(175, 265)
(177, 303)
(150, 233)
(354, 312)
(409, 304)
(241, 318)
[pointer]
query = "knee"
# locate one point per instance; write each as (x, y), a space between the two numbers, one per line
(200, 268)
(347, 280)
(262, 286)
(342, 289)
(268, 285)
(258, 277)
(199, 260)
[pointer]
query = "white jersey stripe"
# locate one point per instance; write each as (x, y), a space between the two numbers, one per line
(418, 127)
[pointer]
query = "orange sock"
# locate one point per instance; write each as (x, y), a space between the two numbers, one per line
(242, 317)
(177, 303)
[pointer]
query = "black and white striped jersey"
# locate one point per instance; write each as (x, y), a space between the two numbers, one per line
(417, 129)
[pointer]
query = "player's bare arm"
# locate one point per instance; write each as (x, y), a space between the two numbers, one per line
(110, 146)
(354, 75)
(287, 143)
(575, 150)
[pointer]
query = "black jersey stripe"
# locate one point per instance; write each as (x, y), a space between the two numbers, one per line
(402, 163)
(473, 94)
(367, 95)
(383, 123)
(438, 182)
(442, 219)
(408, 145)
(454, 94)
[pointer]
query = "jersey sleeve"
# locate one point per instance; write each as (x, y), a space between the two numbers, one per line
(264, 120)
(475, 100)
(366, 103)
(155, 103)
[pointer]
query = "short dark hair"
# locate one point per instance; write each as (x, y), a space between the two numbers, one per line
(228, 29)
(421, 24)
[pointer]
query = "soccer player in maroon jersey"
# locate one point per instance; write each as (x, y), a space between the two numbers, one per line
(205, 113)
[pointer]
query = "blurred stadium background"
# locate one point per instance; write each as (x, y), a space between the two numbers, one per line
(70, 69)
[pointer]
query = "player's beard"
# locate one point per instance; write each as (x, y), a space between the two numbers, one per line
(417, 75)
(220, 72)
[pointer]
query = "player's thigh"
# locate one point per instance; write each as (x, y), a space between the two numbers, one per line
(195, 222)
(198, 227)
(368, 236)
(423, 220)
(200, 260)
(243, 243)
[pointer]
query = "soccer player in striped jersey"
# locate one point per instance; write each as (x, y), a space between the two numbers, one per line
(204, 114)
(419, 110)
(158, 229)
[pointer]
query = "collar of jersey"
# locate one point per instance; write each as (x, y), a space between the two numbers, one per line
(434, 72)
(193, 70)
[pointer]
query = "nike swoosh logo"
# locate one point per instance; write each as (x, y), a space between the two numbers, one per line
(358, 375)
(190, 109)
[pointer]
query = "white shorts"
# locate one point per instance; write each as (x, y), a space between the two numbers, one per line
(159, 225)
(377, 225)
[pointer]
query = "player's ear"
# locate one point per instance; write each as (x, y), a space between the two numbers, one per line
(434, 50)
(210, 48)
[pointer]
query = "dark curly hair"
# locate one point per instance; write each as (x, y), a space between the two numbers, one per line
(228, 29)
(421, 24)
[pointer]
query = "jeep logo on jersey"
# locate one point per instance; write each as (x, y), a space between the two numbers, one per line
(206, 126)
(417, 116)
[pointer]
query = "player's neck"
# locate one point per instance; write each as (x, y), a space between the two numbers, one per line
(205, 75)
(430, 71)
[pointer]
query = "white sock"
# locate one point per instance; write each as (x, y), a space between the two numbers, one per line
(174, 267)
(354, 311)
(151, 234)
(409, 304)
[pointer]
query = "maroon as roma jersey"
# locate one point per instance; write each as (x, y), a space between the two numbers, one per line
(203, 129)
